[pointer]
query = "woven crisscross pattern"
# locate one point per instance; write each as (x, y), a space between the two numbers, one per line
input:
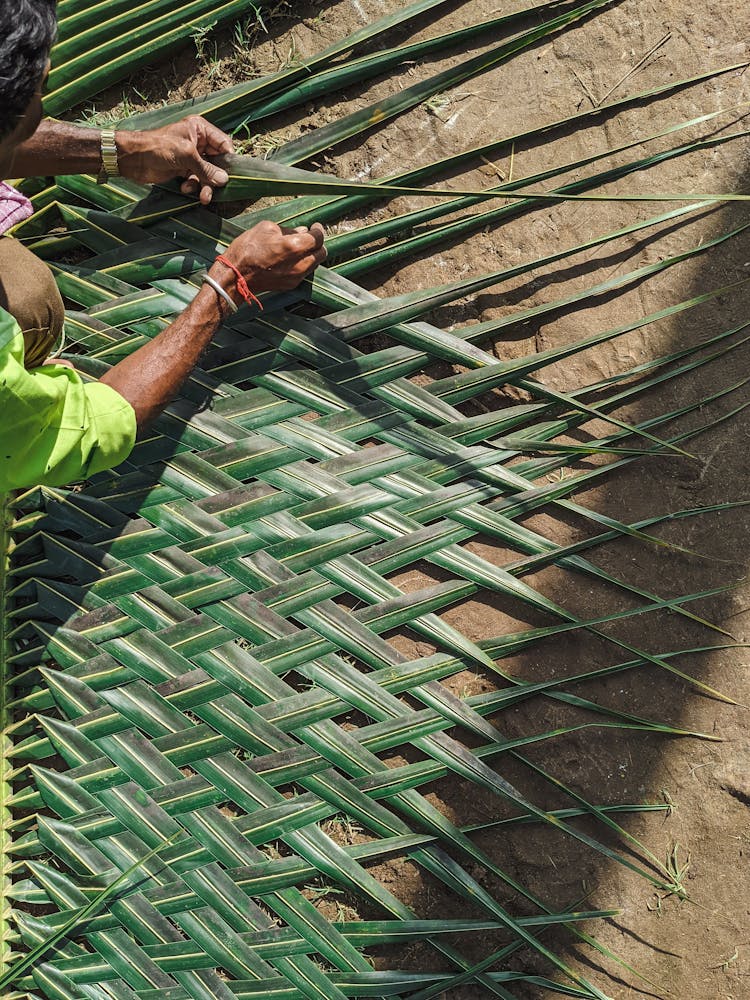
(216, 731)
(215, 609)
(206, 641)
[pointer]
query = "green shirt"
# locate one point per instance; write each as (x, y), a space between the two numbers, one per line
(55, 429)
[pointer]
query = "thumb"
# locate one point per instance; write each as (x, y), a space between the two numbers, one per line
(209, 173)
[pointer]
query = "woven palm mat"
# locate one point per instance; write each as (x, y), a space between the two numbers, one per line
(211, 612)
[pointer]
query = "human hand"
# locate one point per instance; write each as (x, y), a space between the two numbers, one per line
(177, 150)
(271, 258)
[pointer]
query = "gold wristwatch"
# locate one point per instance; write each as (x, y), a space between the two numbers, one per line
(109, 167)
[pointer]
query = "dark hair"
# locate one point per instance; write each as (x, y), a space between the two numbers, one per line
(27, 31)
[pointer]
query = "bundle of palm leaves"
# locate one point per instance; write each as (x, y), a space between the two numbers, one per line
(197, 676)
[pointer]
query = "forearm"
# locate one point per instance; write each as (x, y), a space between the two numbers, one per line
(151, 377)
(59, 148)
(62, 148)
(269, 258)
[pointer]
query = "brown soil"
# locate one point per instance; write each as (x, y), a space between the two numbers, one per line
(695, 950)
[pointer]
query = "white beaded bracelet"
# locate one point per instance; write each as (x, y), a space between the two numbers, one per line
(208, 280)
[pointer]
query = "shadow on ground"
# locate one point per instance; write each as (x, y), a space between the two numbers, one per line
(701, 785)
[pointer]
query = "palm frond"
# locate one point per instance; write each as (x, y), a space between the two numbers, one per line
(199, 642)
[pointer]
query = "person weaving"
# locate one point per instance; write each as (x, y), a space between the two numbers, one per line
(58, 428)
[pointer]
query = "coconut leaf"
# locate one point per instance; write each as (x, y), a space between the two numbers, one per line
(207, 700)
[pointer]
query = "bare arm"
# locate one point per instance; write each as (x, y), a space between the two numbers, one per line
(58, 148)
(269, 257)
(151, 377)
(177, 150)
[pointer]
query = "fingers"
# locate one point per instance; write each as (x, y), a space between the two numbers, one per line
(304, 268)
(313, 252)
(315, 230)
(274, 258)
(306, 241)
(211, 140)
(203, 178)
(181, 149)
(193, 186)
(204, 139)
(301, 270)
(209, 173)
(310, 262)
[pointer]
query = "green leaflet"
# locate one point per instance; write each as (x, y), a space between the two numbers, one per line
(89, 61)
(235, 106)
(327, 209)
(413, 219)
(225, 105)
(12, 974)
(365, 67)
(250, 177)
(359, 121)
(372, 317)
(523, 201)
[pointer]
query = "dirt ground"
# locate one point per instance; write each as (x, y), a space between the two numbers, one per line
(691, 950)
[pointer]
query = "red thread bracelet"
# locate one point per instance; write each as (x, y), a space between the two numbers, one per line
(242, 286)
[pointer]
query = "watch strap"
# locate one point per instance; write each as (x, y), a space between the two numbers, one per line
(109, 167)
